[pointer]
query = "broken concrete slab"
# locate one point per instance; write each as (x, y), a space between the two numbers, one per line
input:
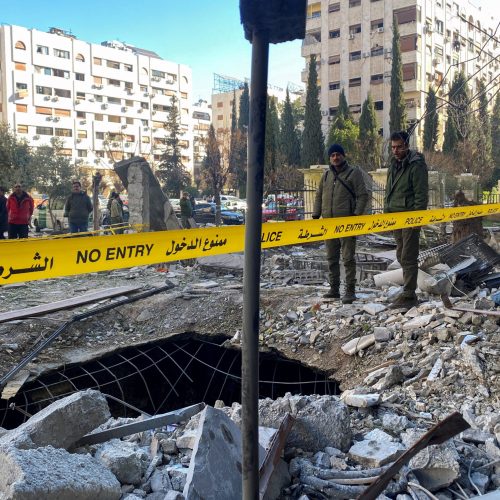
(61, 424)
(394, 375)
(373, 308)
(358, 344)
(418, 322)
(437, 466)
(375, 452)
(382, 334)
(47, 473)
(124, 459)
(215, 469)
(353, 398)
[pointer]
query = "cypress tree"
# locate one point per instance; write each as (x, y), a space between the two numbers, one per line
(397, 113)
(343, 109)
(431, 121)
(289, 141)
(312, 137)
(212, 170)
(369, 139)
(272, 153)
(458, 121)
(244, 117)
(232, 139)
(495, 132)
(482, 137)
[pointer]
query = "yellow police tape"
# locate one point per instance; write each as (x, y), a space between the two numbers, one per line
(41, 258)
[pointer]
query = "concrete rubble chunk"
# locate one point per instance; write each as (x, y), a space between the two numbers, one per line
(395, 423)
(178, 477)
(321, 421)
(60, 424)
(418, 322)
(375, 452)
(373, 308)
(353, 398)
(382, 334)
(47, 473)
(393, 376)
(160, 480)
(437, 466)
(358, 344)
(124, 459)
(378, 435)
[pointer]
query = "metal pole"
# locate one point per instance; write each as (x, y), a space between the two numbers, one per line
(96, 181)
(251, 280)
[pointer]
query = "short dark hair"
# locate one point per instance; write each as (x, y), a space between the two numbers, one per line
(77, 183)
(401, 136)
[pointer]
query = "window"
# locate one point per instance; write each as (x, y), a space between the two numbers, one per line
(408, 43)
(438, 50)
(66, 152)
(161, 107)
(21, 86)
(314, 10)
(97, 80)
(220, 104)
(334, 59)
(128, 85)
(128, 67)
(376, 79)
(143, 88)
(80, 58)
(42, 70)
(377, 24)
(144, 123)
(22, 129)
(62, 93)
(354, 3)
(114, 100)
(144, 105)
(334, 7)
(81, 134)
(334, 34)
(355, 28)
(409, 71)
(64, 54)
(97, 61)
(60, 73)
(62, 112)
(439, 26)
(129, 121)
(20, 66)
(43, 111)
(98, 98)
(113, 64)
(64, 132)
(378, 105)
(157, 74)
(99, 117)
(80, 77)
(377, 51)
(42, 49)
(114, 119)
(220, 117)
(20, 45)
(145, 139)
(354, 56)
(81, 153)
(334, 86)
(99, 136)
(355, 82)
(128, 102)
(80, 114)
(114, 83)
(184, 95)
(45, 131)
(406, 15)
(22, 108)
(99, 154)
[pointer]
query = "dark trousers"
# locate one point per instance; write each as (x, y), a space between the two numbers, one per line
(348, 248)
(407, 241)
(18, 231)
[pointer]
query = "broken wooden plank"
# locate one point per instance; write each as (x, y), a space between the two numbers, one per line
(67, 303)
(451, 426)
(149, 423)
(11, 389)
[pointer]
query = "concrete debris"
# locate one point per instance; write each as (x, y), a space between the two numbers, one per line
(353, 398)
(358, 344)
(375, 452)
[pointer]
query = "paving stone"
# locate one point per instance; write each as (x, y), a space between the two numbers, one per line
(47, 473)
(374, 453)
(358, 344)
(60, 424)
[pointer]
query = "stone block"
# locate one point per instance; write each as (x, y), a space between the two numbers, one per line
(393, 376)
(124, 459)
(382, 334)
(395, 423)
(60, 424)
(187, 441)
(375, 453)
(351, 398)
(178, 477)
(358, 344)
(373, 308)
(418, 322)
(437, 466)
(47, 473)
(160, 480)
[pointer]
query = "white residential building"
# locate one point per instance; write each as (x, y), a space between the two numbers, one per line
(202, 118)
(106, 102)
(352, 41)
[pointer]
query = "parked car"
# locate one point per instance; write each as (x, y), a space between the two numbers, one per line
(41, 218)
(204, 213)
(232, 202)
(279, 211)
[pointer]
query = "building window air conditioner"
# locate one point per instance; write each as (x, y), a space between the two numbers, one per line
(139, 110)
(124, 126)
(124, 108)
(146, 94)
(56, 118)
(351, 36)
(77, 101)
(380, 30)
(104, 106)
(47, 98)
(78, 140)
(92, 99)
(83, 122)
(115, 144)
(130, 91)
(55, 98)
(36, 137)
(153, 95)
(153, 112)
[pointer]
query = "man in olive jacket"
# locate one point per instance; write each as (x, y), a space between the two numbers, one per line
(342, 192)
(77, 208)
(406, 189)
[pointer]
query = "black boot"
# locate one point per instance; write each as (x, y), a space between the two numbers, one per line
(350, 295)
(333, 293)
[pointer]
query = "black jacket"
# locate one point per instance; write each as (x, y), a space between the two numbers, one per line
(78, 207)
(3, 214)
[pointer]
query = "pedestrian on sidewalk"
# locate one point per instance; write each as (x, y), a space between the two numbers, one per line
(186, 210)
(116, 212)
(406, 190)
(341, 193)
(20, 206)
(3, 213)
(78, 208)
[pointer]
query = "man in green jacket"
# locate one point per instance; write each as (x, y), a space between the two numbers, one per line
(186, 210)
(77, 208)
(406, 189)
(341, 192)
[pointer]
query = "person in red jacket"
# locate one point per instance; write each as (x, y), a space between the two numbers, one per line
(20, 207)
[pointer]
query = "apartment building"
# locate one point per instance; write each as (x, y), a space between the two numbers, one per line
(202, 118)
(106, 102)
(352, 41)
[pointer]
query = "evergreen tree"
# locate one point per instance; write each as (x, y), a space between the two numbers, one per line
(244, 117)
(289, 140)
(272, 143)
(458, 121)
(431, 121)
(232, 143)
(484, 118)
(15, 158)
(369, 138)
(312, 137)
(495, 132)
(343, 109)
(397, 113)
(171, 171)
(345, 132)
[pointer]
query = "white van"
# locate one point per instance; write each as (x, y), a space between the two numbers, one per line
(41, 218)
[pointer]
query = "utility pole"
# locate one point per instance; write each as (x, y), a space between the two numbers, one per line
(96, 181)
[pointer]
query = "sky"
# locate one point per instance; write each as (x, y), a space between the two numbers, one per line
(205, 35)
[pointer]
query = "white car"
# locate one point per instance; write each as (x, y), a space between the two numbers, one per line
(232, 202)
